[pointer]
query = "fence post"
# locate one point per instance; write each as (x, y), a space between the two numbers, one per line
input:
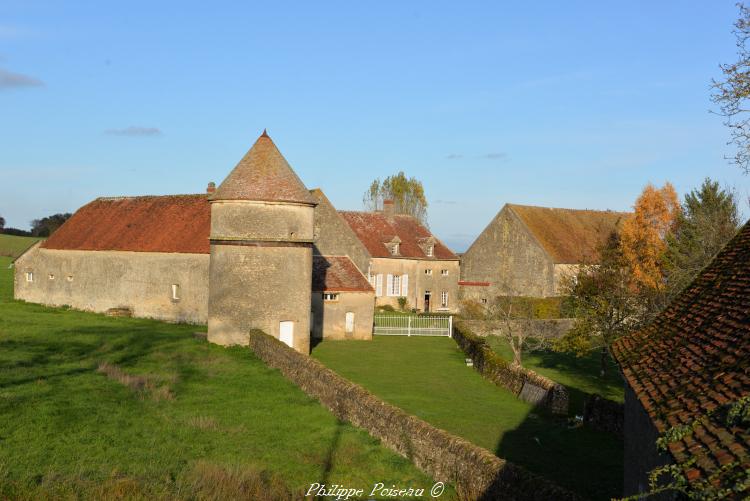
(450, 325)
(408, 328)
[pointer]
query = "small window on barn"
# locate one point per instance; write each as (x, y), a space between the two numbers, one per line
(428, 272)
(484, 300)
(175, 292)
(330, 296)
(51, 276)
(444, 273)
(69, 278)
(29, 276)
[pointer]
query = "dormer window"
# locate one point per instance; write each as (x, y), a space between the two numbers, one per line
(430, 251)
(394, 246)
(427, 245)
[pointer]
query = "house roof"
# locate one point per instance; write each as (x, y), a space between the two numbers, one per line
(569, 236)
(694, 359)
(338, 274)
(375, 230)
(170, 223)
(263, 174)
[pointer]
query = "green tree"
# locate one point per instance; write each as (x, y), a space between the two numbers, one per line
(733, 92)
(407, 195)
(2, 223)
(48, 225)
(709, 219)
(605, 302)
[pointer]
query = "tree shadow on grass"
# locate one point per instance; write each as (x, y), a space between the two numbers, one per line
(582, 460)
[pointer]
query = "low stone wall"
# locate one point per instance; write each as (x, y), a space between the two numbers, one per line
(548, 328)
(524, 383)
(604, 415)
(476, 472)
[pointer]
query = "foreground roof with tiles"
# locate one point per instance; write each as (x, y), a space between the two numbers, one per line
(569, 236)
(694, 361)
(170, 223)
(338, 274)
(375, 230)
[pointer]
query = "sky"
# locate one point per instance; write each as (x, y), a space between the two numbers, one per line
(560, 104)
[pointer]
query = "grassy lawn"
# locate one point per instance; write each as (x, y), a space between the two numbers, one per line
(13, 246)
(168, 417)
(579, 374)
(428, 377)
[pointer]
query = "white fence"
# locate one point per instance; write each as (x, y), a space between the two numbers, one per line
(413, 325)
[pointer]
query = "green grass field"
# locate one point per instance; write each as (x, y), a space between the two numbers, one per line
(13, 246)
(429, 378)
(579, 374)
(167, 417)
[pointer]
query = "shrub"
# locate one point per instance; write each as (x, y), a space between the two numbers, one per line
(386, 307)
(402, 302)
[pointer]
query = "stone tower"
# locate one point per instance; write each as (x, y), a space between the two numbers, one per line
(260, 271)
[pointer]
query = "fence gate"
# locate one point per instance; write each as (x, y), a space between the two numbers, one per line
(413, 325)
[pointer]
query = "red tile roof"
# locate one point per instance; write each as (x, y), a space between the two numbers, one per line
(374, 230)
(695, 358)
(338, 274)
(263, 174)
(569, 236)
(171, 223)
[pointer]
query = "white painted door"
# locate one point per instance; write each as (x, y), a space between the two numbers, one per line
(349, 322)
(286, 332)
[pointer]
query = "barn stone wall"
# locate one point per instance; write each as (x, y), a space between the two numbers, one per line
(99, 280)
(329, 317)
(334, 236)
(506, 255)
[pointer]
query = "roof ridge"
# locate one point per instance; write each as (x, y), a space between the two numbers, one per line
(127, 197)
(610, 211)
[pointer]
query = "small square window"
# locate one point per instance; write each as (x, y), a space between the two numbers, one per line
(175, 292)
(484, 300)
(29, 276)
(428, 272)
(51, 276)
(444, 273)
(330, 296)
(69, 278)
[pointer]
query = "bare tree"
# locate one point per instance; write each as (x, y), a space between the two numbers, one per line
(407, 195)
(732, 93)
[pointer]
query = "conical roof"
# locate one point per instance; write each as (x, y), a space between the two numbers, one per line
(263, 174)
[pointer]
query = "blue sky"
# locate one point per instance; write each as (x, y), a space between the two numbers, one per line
(562, 104)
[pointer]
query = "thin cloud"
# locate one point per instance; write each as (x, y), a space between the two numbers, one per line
(134, 131)
(454, 156)
(446, 202)
(495, 156)
(10, 80)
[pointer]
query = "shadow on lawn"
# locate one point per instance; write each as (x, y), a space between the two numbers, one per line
(582, 460)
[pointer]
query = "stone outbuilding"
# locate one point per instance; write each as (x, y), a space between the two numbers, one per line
(239, 257)
(692, 364)
(527, 251)
(343, 301)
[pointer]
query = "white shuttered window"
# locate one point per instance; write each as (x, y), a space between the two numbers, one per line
(379, 285)
(404, 285)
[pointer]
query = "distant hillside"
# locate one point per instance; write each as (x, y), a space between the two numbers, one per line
(14, 246)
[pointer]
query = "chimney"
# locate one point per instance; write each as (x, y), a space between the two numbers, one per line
(211, 188)
(389, 209)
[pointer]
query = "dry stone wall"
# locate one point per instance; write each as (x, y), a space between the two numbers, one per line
(477, 473)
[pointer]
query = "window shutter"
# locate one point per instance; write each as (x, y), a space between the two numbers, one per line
(389, 285)
(404, 285)
(379, 285)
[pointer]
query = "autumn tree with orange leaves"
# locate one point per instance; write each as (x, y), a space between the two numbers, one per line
(643, 236)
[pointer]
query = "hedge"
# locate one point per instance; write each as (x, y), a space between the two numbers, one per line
(476, 473)
(524, 383)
